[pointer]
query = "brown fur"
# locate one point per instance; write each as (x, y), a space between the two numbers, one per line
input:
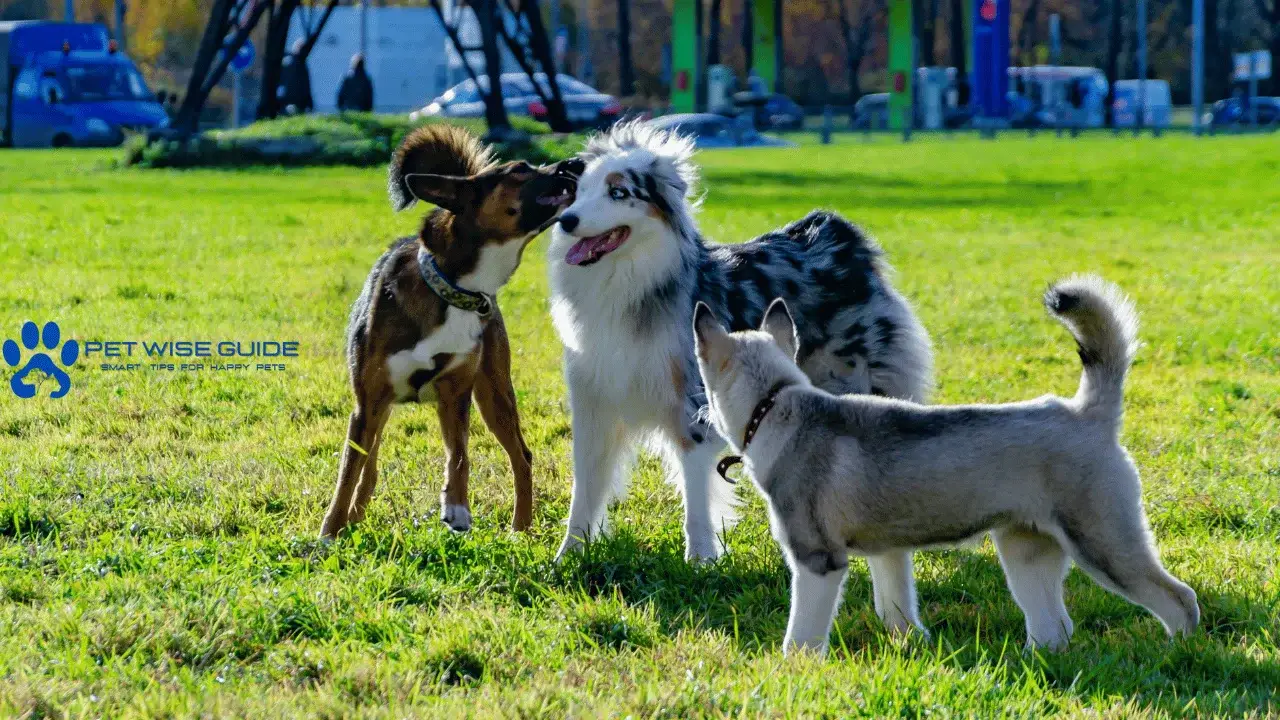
(478, 203)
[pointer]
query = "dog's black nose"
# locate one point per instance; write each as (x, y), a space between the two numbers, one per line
(568, 221)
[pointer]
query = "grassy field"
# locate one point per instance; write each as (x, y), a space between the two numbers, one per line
(158, 551)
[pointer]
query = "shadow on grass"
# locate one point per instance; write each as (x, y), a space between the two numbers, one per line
(1118, 650)
(858, 189)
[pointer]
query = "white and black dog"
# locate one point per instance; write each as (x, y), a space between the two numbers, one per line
(627, 265)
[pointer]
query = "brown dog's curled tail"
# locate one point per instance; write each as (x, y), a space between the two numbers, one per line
(434, 150)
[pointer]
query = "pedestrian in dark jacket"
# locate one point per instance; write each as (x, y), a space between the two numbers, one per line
(356, 92)
(295, 83)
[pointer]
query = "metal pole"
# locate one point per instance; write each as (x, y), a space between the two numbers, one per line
(1253, 89)
(554, 31)
(1142, 68)
(69, 11)
(120, 25)
(235, 99)
(364, 30)
(584, 44)
(1055, 53)
(1197, 63)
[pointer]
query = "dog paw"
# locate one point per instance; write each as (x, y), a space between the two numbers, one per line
(900, 626)
(702, 554)
(457, 517)
(32, 337)
(572, 544)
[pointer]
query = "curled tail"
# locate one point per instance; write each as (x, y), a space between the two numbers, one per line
(436, 150)
(1105, 325)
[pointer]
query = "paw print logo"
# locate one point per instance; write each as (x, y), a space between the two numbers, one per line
(31, 339)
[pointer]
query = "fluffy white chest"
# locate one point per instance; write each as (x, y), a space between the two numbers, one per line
(459, 335)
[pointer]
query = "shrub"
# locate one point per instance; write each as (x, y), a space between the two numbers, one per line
(358, 139)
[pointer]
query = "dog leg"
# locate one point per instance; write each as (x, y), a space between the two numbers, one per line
(496, 399)
(708, 509)
(369, 476)
(894, 591)
(598, 448)
(814, 601)
(1115, 548)
(365, 425)
(453, 407)
(1034, 567)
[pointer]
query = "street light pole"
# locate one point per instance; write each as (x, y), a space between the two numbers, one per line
(1142, 68)
(1197, 63)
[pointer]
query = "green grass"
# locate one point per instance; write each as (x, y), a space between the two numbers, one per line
(157, 529)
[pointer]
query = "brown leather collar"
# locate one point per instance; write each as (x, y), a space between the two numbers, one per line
(757, 416)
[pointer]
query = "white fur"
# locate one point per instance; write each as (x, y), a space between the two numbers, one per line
(620, 386)
(459, 335)
(457, 517)
(461, 330)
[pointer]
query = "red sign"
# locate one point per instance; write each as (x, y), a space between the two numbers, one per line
(682, 80)
(988, 10)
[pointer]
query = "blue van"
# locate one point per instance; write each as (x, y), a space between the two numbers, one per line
(64, 84)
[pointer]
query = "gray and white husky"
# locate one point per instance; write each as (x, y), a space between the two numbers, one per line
(858, 475)
(627, 265)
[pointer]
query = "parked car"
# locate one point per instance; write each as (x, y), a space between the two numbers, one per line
(716, 131)
(64, 84)
(780, 112)
(1235, 112)
(586, 106)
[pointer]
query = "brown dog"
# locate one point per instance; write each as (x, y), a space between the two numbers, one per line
(427, 325)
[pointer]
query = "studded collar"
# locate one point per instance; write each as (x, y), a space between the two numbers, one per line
(757, 416)
(459, 297)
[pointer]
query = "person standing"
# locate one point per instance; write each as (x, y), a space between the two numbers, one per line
(295, 82)
(356, 92)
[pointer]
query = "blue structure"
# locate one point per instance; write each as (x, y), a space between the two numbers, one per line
(989, 80)
(64, 84)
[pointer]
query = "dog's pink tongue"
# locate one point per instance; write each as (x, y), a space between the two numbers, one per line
(581, 251)
(589, 250)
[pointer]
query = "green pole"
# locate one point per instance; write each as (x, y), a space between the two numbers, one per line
(764, 56)
(901, 63)
(684, 55)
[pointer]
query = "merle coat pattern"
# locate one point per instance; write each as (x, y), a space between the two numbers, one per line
(627, 265)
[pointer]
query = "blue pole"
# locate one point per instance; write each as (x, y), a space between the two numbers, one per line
(1197, 63)
(1142, 68)
(69, 13)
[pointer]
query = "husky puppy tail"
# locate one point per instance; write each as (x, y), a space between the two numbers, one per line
(1105, 325)
(434, 150)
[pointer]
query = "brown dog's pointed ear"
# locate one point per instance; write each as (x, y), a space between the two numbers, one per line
(780, 326)
(445, 191)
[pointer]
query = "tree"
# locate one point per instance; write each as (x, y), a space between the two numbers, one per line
(1271, 15)
(1114, 39)
(713, 34)
(230, 22)
(273, 53)
(926, 24)
(626, 69)
(857, 39)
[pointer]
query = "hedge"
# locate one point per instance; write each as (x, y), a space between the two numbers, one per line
(359, 139)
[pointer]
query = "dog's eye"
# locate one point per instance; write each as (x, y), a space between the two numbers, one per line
(513, 211)
(618, 193)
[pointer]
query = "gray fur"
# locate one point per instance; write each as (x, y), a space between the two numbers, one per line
(865, 475)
